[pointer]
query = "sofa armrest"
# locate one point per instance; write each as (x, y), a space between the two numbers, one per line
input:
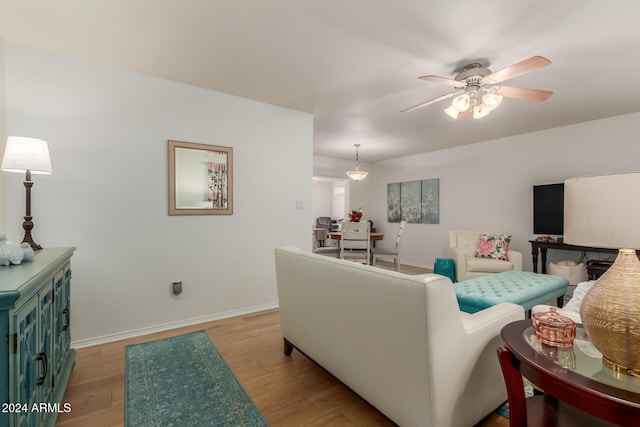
(516, 259)
(459, 257)
(466, 363)
(492, 319)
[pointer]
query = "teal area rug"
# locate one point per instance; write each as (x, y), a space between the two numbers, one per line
(182, 382)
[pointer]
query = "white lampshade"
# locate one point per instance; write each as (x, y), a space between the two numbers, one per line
(491, 100)
(603, 211)
(452, 112)
(480, 111)
(22, 154)
(461, 103)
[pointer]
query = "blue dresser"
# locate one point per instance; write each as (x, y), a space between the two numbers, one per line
(36, 358)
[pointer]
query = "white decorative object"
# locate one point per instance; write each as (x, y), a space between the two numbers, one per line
(14, 254)
(578, 294)
(570, 270)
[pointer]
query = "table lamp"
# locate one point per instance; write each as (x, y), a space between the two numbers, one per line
(28, 155)
(604, 212)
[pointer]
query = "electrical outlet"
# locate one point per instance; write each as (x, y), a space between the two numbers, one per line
(176, 288)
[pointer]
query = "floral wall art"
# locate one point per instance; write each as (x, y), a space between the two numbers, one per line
(414, 201)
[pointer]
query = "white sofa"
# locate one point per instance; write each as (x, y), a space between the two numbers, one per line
(397, 340)
(462, 248)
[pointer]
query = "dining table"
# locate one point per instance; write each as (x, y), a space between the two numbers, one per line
(337, 235)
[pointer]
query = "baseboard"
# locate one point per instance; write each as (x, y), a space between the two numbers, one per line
(89, 342)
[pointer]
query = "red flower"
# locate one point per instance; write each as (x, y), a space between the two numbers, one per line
(355, 215)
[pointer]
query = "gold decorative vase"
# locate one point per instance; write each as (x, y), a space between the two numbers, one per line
(610, 314)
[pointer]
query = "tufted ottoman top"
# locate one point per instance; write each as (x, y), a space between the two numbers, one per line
(519, 287)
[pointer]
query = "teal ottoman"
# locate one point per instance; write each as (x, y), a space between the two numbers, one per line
(519, 287)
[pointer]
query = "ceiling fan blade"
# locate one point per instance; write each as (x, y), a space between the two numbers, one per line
(516, 70)
(437, 79)
(433, 101)
(523, 93)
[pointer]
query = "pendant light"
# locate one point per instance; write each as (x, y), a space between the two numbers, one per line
(357, 174)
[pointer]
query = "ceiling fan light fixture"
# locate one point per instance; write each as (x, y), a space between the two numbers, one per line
(452, 112)
(491, 100)
(461, 102)
(480, 111)
(357, 174)
(479, 90)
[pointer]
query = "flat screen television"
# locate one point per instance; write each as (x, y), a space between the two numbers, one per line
(548, 209)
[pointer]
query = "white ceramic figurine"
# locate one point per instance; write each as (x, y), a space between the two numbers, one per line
(14, 254)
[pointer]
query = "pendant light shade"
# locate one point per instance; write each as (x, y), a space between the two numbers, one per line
(452, 112)
(491, 100)
(480, 111)
(357, 174)
(461, 103)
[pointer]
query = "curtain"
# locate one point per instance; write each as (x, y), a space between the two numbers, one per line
(217, 184)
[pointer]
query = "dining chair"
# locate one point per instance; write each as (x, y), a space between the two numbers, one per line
(321, 235)
(355, 242)
(321, 249)
(390, 253)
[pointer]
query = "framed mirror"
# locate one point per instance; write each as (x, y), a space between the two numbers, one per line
(200, 179)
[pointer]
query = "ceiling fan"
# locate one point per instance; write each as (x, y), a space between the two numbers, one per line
(478, 91)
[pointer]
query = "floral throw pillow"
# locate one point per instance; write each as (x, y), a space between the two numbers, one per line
(493, 246)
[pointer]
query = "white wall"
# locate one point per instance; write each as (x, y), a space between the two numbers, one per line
(322, 199)
(338, 205)
(488, 186)
(107, 131)
(329, 197)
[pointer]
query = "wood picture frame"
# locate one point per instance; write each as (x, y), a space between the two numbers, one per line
(200, 179)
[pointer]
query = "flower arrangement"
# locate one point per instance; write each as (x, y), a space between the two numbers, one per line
(355, 215)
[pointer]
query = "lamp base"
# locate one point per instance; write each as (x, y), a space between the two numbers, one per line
(619, 370)
(27, 225)
(610, 311)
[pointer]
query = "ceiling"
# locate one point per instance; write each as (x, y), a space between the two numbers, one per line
(354, 64)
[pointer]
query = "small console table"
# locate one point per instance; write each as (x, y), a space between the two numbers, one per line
(541, 247)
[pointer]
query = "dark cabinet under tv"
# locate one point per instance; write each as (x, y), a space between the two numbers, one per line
(594, 271)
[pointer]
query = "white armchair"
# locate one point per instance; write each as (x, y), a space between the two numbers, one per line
(462, 249)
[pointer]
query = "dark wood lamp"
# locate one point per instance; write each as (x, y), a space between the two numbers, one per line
(28, 155)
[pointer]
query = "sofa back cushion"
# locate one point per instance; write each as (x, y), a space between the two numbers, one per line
(467, 241)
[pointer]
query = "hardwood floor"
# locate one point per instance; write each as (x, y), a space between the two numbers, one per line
(289, 391)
